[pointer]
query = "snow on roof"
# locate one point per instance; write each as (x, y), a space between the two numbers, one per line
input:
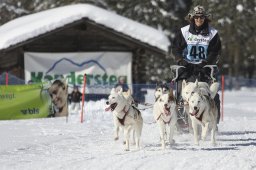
(30, 26)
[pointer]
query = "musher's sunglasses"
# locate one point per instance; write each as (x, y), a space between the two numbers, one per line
(201, 17)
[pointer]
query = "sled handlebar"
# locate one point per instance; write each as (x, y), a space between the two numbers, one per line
(177, 67)
(212, 69)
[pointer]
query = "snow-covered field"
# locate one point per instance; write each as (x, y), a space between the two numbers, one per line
(56, 144)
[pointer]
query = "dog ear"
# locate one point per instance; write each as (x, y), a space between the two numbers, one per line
(214, 89)
(113, 90)
(166, 86)
(196, 82)
(129, 92)
(119, 90)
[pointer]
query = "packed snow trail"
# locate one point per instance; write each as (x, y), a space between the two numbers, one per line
(54, 144)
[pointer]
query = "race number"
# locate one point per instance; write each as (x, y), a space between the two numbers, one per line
(197, 52)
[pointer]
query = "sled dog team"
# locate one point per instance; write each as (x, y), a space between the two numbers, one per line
(198, 102)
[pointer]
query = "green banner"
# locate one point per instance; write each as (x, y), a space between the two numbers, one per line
(23, 102)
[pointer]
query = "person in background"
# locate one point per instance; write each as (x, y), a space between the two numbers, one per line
(59, 94)
(122, 84)
(194, 46)
(75, 98)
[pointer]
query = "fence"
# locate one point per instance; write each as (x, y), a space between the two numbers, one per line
(139, 90)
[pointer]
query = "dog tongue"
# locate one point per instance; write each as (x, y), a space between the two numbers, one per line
(194, 113)
(107, 109)
(166, 112)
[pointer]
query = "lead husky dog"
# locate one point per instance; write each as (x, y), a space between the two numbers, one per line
(128, 117)
(189, 87)
(165, 114)
(203, 111)
(117, 125)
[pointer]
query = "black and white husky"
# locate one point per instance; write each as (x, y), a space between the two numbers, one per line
(165, 114)
(161, 89)
(203, 111)
(188, 88)
(127, 117)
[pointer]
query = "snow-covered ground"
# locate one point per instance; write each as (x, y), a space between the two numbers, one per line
(56, 144)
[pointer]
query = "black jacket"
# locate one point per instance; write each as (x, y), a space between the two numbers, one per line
(179, 44)
(75, 97)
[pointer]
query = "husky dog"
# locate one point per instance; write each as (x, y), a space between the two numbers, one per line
(190, 87)
(161, 89)
(165, 114)
(117, 125)
(127, 117)
(203, 111)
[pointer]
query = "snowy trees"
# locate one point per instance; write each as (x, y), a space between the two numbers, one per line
(234, 19)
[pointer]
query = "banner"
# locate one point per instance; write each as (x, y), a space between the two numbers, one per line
(103, 69)
(24, 102)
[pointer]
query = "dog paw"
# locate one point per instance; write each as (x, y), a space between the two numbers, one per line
(124, 142)
(197, 144)
(116, 138)
(214, 144)
(137, 148)
(172, 142)
(126, 149)
(163, 146)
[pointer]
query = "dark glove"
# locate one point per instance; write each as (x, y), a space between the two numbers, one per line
(182, 62)
(203, 63)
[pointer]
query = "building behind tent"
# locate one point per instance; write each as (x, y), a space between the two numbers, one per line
(85, 34)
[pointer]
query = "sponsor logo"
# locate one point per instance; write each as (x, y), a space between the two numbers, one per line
(74, 78)
(59, 62)
(30, 111)
(77, 76)
(193, 38)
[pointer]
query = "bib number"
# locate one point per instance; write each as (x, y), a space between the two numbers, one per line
(197, 52)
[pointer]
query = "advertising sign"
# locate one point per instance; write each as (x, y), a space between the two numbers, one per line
(23, 102)
(103, 69)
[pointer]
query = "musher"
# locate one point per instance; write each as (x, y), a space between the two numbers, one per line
(194, 46)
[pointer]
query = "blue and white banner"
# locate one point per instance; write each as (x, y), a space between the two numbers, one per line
(103, 69)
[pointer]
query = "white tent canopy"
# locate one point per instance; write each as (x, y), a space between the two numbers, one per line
(30, 26)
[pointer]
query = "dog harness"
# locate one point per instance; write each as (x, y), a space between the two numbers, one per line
(166, 122)
(121, 120)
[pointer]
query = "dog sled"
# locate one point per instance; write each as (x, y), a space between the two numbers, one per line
(207, 71)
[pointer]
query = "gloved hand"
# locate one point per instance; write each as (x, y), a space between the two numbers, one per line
(203, 63)
(182, 62)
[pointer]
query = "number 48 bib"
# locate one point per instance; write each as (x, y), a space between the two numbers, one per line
(197, 45)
